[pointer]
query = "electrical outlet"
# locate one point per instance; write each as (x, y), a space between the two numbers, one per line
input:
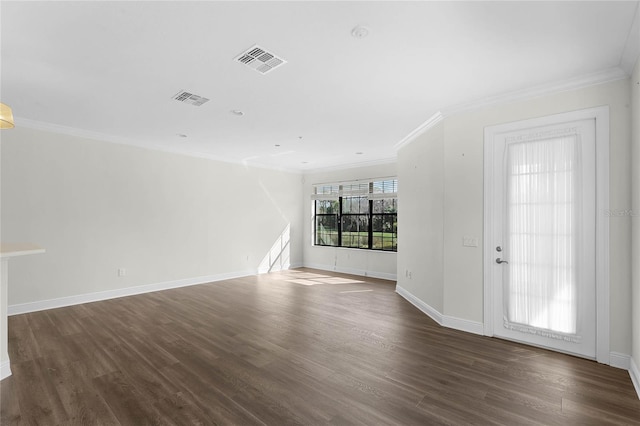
(122, 272)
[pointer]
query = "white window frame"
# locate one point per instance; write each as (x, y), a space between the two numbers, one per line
(352, 188)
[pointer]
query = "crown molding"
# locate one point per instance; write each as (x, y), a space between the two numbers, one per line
(575, 83)
(103, 137)
(432, 121)
(71, 131)
(601, 77)
(347, 166)
(612, 74)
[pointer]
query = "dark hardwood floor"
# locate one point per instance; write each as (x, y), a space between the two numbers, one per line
(295, 347)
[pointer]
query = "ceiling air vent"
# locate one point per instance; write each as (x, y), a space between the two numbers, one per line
(260, 59)
(189, 98)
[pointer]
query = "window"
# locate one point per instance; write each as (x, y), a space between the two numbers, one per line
(327, 212)
(384, 220)
(354, 219)
(357, 215)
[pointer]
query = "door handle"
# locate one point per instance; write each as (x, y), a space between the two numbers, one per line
(500, 261)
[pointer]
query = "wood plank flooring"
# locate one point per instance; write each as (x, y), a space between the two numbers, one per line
(293, 347)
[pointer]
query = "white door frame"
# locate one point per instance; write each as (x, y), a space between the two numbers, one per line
(601, 116)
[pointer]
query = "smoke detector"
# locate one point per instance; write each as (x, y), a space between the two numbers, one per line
(189, 98)
(260, 59)
(359, 32)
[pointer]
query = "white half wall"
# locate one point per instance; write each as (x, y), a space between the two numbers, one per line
(371, 263)
(162, 219)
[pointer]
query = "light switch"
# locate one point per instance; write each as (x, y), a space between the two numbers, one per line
(468, 241)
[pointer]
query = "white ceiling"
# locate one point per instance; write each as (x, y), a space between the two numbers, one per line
(110, 69)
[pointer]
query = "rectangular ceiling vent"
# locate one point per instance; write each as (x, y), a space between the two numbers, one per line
(189, 98)
(260, 59)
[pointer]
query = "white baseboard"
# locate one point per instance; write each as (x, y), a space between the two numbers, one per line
(352, 271)
(469, 326)
(619, 360)
(431, 312)
(634, 372)
(5, 370)
(42, 305)
(443, 320)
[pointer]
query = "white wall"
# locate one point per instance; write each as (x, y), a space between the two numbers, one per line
(635, 160)
(463, 201)
(420, 218)
(353, 261)
(97, 206)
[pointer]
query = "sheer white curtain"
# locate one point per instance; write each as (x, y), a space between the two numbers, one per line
(542, 223)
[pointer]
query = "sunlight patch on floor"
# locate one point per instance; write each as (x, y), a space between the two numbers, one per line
(325, 280)
(311, 278)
